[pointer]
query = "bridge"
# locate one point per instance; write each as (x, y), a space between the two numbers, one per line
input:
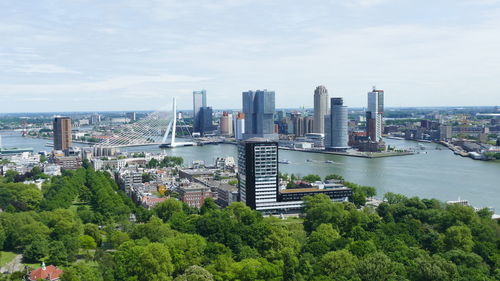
(157, 128)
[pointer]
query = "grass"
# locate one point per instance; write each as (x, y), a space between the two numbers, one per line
(6, 257)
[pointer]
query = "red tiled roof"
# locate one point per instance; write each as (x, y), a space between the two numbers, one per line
(41, 273)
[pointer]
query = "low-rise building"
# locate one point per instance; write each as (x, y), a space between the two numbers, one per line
(51, 273)
(194, 194)
(68, 162)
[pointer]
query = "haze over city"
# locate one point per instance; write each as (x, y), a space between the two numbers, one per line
(136, 55)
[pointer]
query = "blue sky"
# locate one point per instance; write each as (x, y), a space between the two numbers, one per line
(79, 55)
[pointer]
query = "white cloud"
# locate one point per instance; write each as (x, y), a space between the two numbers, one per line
(41, 68)
(363, 3)
(103, 86)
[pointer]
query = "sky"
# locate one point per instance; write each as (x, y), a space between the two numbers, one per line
(97, 55)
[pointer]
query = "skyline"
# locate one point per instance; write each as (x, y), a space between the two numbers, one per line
(133, 55)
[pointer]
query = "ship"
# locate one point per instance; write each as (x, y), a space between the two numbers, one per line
(14, 150)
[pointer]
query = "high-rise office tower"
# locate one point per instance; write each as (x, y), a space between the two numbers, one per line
(259, 107)
(95, 119)
(199, 101)
(204, 120)
(239, 126)
(258, 173)
(337, 135)
(298, 125)
(309, 124)
(131, 116)
(62, 133)
(320, 108)
(375, 115)
(226, 124)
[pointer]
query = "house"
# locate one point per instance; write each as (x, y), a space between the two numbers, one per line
(50, 272)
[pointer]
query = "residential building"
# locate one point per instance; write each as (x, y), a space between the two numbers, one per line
(226, 124)
(194, 194)
(374, 114)
(68, 162)
(226, 194)
(62, 133)
(259, 107)
(320, 109)
(51, 273)
(239, 126)
(309, 124)
(445, 132)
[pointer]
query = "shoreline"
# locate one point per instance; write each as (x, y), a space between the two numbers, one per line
(368, 155)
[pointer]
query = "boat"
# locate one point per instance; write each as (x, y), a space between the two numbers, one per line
(49, 144)
(329, 161)
(284, 162)
(309, 160)
(4, 151)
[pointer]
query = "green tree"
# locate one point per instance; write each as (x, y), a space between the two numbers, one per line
(93, 231)
(167, 208)
(311, 178)
(57, 253)
(82, 271)
(322, 240)
(155, 263)
(432, 268)
(377, 266)
(208, 205)
(195, 273)
(334, 177)
(459, 237)
(339, 264)
(36, 251)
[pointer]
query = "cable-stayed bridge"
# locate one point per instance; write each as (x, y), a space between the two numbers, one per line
(157, 128)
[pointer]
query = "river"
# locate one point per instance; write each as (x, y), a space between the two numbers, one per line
(430, 174)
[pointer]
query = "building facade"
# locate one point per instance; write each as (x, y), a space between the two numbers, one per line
(337, 136)
(62, 133)
(320, 109)
(375, 115)
(258, 172)
(199, 101)
(259, 107)
(204, 122)
(239, 126)
(226, 124)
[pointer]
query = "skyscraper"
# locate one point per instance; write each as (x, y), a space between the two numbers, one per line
(239, 126)
(337, 135)
(204, 120)
(199, 101)
(259, 107)
(226, 124)
(320, 108)
(258, 173)
(375, 115)
(62, 133)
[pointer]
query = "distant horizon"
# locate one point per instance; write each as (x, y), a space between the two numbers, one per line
(239, 109)
(66, 56)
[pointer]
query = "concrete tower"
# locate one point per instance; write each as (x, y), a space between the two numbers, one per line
(320, 109)
(375, 115)
(62, 133)
(259, 107)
